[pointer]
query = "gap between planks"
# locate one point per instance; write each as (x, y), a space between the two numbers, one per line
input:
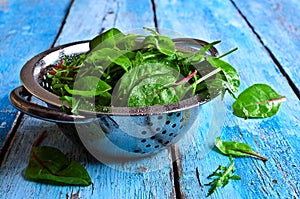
(9, 140)
(274, 59)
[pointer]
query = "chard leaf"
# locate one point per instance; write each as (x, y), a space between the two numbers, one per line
(89, 86)
(149, 84)
(201, 54)
(165, 45)
(105, 56)
(230, 73)
(153, 32)
(50, 166)
(257, 101)
(110, 37)
(236, 149)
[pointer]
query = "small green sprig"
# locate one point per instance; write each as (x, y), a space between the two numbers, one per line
(222, 176)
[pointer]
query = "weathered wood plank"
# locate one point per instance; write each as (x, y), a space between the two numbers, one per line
(129, 180)
(276, 138)
(25, 30)
(112, 181)
(277, 24)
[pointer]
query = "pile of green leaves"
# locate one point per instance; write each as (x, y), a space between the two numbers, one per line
(135, 70)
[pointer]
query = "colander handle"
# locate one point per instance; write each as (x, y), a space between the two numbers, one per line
(17, 98)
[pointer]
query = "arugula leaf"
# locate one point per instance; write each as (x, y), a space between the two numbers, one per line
(236, 148)
(50, 166)
(221, 177)
(257, 101)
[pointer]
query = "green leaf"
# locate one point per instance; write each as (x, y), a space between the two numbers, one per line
(89, 86)
(104, 57)
(165, 45)
(106, 39)
(153, 91)
(50, 166)
(232, 77)
(257, 101)
(221, 177)
(153, 32)
(149, 84)
(201, 54)
(236, 149)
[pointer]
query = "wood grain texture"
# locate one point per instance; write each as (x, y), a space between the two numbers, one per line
(276, 138)
(277, 24)
(130, 180)
(25, 30)
(108, 182)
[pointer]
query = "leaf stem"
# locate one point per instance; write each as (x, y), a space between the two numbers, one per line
(281, 99)
(39, 139)
(208, 75)
(254, 154)
(231, 51)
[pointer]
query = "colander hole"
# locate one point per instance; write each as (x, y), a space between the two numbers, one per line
(168, 122)
(182, 119)
(156, 146)
(152, 138)
(144, 132)
(164, 132)
(150, 124)
(167, 142)
(180, 127)
(148, 145)
(143, 140)
(157, 129)
(171, 134)
(137, 151)
(160, 141)
(160, 117)
(174, 125)
(175, 135)
(178, 114)
(170, 114)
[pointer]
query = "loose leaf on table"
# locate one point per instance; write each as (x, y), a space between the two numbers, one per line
(257, 101)
(221, 177)
(236, 149)
(50, 166)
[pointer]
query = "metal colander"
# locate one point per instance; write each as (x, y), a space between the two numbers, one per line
(115, 132)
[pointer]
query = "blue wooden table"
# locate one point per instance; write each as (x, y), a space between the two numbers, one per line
(267, 34)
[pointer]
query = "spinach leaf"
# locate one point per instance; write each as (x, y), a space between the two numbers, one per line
(236, 149)
(257, 101)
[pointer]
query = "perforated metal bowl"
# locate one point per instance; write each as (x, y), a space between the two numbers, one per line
(115, 132)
